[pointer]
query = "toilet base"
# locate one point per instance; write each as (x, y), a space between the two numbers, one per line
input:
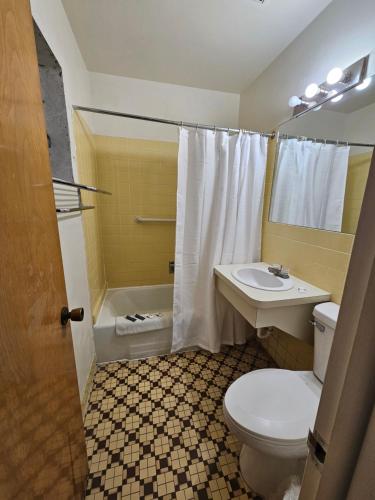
(264, 474)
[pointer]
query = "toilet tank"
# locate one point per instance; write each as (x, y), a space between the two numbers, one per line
(325, 315)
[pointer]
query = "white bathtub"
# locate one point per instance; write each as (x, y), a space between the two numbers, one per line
(122, 301)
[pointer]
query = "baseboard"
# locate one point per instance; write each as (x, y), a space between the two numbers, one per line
(88, 387)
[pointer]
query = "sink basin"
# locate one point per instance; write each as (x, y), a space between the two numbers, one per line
(262, 279)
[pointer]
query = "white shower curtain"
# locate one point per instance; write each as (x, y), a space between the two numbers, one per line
(219, 211)
(309, 184)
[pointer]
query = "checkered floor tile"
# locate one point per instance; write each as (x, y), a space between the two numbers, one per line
(155, 427)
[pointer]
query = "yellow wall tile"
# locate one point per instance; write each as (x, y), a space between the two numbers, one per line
(142, 175)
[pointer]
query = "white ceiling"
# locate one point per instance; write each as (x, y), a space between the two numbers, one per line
(214, 44)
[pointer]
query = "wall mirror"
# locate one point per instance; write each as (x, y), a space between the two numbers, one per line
(322, 162)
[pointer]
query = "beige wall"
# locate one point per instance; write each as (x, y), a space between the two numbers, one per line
(142, 175)
(87, 174)
(319, 257)
(358, 169)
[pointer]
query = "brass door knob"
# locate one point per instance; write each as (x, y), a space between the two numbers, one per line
(73, 315)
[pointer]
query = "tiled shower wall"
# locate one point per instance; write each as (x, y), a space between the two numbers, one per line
(87, 173)
(319, 257)
(142, 175)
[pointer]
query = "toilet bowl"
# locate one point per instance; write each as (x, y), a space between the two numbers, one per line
(271, 411)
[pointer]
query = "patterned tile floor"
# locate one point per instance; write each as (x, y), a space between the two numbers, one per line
(155, 428)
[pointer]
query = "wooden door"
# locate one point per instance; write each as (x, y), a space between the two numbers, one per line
(42, 449)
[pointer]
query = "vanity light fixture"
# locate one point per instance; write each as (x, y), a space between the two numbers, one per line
(338, 81)
(335, 76)
(366, 82)
(338, 98)
(294, 101)
(313, 90)
(297, 101)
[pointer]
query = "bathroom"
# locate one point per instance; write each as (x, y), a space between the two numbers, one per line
(187, 207)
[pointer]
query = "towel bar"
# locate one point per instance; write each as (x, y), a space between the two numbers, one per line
(67, 210)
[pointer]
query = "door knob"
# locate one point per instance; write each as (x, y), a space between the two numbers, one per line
(73, 315)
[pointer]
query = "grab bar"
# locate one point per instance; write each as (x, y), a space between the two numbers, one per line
(152, 219)
(56, 180)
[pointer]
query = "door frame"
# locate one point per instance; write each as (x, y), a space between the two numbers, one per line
(347, 401)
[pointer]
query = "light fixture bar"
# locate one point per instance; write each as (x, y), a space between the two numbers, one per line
(338, 82)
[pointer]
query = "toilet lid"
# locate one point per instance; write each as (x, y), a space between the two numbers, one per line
(274, 403)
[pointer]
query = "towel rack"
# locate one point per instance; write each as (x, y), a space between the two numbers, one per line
(56, 180)
(74, 209)
(141, 220)
(80, 207)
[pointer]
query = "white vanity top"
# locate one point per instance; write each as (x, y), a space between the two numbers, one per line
(301, 293)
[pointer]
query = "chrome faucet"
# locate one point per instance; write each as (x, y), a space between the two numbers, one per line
(279, 270)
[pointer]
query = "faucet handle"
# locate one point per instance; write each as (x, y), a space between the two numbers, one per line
(279, 270)
(274, 268)
(284, 272)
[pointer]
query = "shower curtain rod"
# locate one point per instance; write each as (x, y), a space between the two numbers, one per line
(168, 122)
(325, 141)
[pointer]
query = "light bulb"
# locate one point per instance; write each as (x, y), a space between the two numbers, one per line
(312, 90)
(366, 82)
(338, 98)
(294, 101)
(334, 76)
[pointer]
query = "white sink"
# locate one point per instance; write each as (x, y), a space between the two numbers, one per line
(262, 279)
(266, 300)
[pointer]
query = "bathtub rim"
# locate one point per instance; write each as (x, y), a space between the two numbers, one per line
(136, 287)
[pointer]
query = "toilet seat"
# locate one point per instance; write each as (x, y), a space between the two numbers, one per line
(273, 407)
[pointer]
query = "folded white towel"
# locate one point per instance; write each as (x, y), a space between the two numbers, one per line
(152, 321)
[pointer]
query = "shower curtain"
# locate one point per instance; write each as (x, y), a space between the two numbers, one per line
(219, 211)
(309, 184)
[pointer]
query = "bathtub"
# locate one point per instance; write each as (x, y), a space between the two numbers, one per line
(122, 301)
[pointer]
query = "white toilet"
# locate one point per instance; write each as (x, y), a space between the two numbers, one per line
(271, 410)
